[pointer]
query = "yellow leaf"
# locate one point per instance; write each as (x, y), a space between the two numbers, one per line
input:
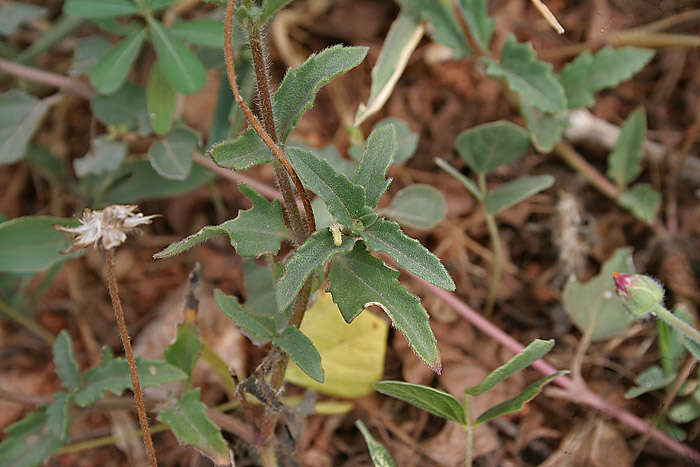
(352, 355)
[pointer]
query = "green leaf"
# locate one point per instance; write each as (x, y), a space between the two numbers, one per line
(160, 99)
(486, 147)
(624, 162)
(468, 184)
(516, 404)
(377, 452)
(596, 302)
(511, 193)
(651, 379)
(406, 140)
(258, 327)
(270, 7)
(179, 64)
(302, 351)
(58, 416)
(378, 154)
(155, 5)
(111, 71)
(29, 442)
(91, 9)
(684, 412)
(31, 244)
(331, 155)
(345, 200)
(190, 424)
(260, 292)
(105, 156)
(316, 251)
(185, 351)
(402, 39)
(241, 153)
(13, 15)
(127, 105)
(64, 359)
(171, 156)
(206, 32)
(589, 73)
(358, 279)
(533, 80)
(256, 231)
(418, 206)
(321, 213)
(386, 237)
(533, 352)
(480, 24)
(546, 130)
(671, 341)
(88, 51)
(298, 90)
(429, 399)
(642, 201)
(20, 115)
(441, 14)
(113, 375)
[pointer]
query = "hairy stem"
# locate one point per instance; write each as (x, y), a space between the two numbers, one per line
(121, 323)
(672, 320)
(497, 254)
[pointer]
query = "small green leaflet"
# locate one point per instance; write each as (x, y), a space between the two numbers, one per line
(418, 206)
(685, 411)
(316, 251)
(254, 232)
(260, 291)
(185, 351)
(533, 352)
(64, 359)
(533, 80)
(378, 154)
(179, 64)
(58, 416)
(642, 201)
(477, 17)
(511, 193)
(546, 130)
(91, 9)
(171, 156)
(589, 73)
(206, 32)
(406, 140)
(160, 99)
(106, 156)
(358, 279)
(29, 442)
(111, 71)
(128, 105)
(651, 379)
(516, 404)
(298, 90)
(241, 153)
(189, 422)
(429, 399)
(486, 147)
(377, 452)
(302, 351)
(20, 115)
(441, 14)
(624, 162)
(88, 51)
(386, 237)
(402, 39)
(345, 200)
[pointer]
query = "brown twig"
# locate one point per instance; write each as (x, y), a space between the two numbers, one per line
(44, 77)
(121, 323)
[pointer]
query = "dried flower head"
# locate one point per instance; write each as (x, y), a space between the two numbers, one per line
(109, 226)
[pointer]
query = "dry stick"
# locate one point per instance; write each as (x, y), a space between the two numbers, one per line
(121, 323)
(231, 72)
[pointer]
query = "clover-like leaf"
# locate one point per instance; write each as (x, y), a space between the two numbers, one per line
(127, 105)
(377, 452)
(191, 425)
(624, 162)
(111, 71)
(20, 115)
(371, 171)
(386, 237)
(179, 64)
(429, 399)
(533, 352)
(486, 147)
(64, 359)
(171, 156)
(589, 73)
(418, 206)
(358, 280)
(533, 80)
(511, 193)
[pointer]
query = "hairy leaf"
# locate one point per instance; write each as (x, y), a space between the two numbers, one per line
(171, 156)
(378, 154)
(179, 64)
(589, 73)
(302, 352)
(651, 379)
(64, 359)
(190, 424)
(486, 147)
(511, 193)
(377, 452)
(532, 79)
(298, 90)
(533, 352)
(477, 17)
(241, 153)
(111, 71)
(91, 9)
(642, 201)
(105, 156)
(58, 416)
(441, 14)
(160, 99)
(386, 237)
(29, 442)
(20, 115)
(206, 32)
(259, 327)
(406, 140)
(185, 351)
(418, 206)
(260, 291)
(546, 130)
(358, 280)
(429, 399)
(624, 162)
(402, 39)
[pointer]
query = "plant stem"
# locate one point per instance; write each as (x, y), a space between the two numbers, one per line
(497, 253)
(672, 320)
(28, 323)
(121, 323)
(579, 164)
(469, 429)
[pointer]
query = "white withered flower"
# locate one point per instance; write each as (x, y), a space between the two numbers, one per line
(108, 226)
